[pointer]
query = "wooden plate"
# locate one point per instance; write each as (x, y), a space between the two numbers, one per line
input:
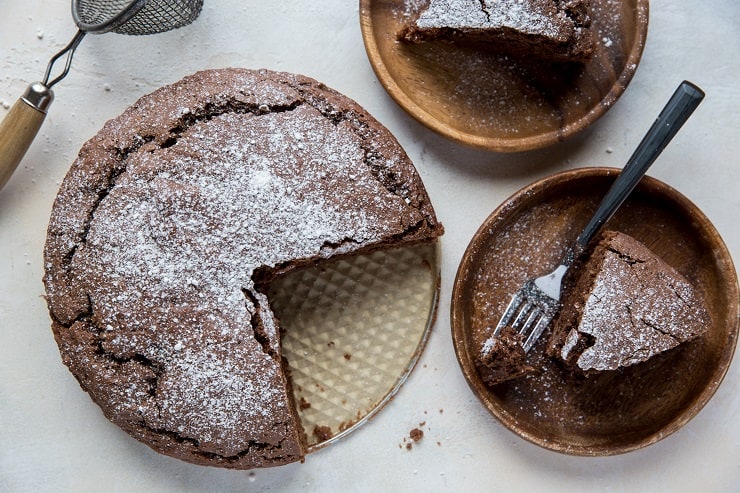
(496, 102)
(614, 412)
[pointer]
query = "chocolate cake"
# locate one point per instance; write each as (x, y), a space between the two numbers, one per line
(172, 222)
(502, 358)
(623, 306)
(547, 29)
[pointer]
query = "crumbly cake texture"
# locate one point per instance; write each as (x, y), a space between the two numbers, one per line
(550, 29)
(502, 358)
(625, 306)
(168, 227)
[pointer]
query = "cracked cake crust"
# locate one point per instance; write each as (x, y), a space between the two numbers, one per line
(624, 306)
(171, 223)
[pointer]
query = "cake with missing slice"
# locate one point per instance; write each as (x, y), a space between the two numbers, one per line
(171, 224)
(548, 29)
(624, 305)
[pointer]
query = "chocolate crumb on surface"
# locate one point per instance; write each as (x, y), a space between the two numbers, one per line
(416, 434)
(323, 433)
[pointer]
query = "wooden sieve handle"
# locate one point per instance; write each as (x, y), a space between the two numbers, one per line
(20, 126)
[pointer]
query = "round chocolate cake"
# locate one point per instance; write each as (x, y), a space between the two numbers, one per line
(172, 222)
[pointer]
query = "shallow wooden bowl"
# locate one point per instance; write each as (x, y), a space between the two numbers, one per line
(614, 412)
(497, 102)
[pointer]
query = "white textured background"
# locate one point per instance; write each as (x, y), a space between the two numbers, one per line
(53, 438)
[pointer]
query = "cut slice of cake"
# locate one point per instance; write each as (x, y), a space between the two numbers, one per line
(623, 306)
(502, 358)
(550, 29)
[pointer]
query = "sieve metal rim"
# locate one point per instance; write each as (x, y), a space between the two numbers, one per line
(122, 17)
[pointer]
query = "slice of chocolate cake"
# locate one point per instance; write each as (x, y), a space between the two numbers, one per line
(548, 29)
(623, 306)
(502, 358)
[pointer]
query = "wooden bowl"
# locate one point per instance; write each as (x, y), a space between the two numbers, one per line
(613, 412)
(496, 102)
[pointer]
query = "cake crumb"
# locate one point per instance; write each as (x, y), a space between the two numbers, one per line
(303, 404)
(347, 356)
(416, 434)
(346, 425)
(323, 433)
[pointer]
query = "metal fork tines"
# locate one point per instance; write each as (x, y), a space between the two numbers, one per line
(535, 304)
(533, 307)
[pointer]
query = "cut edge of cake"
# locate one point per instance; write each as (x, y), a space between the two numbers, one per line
(502, 358)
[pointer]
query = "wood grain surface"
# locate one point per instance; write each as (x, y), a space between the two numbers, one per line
(495, 101)
(612, 412)
(17, 131)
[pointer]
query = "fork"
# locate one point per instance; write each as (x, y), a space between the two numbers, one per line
(537, 302)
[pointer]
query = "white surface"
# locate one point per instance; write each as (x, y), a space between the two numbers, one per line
(53, 438)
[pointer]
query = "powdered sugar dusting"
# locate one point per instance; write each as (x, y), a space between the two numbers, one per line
(516, 244)
(186, 342)
(519, 15)
(229, 391)
(638, 307)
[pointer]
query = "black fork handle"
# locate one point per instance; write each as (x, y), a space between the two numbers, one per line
(679, 108)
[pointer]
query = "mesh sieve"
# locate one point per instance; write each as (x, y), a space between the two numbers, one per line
(134, 16)
(123, 17)
(20, 127)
